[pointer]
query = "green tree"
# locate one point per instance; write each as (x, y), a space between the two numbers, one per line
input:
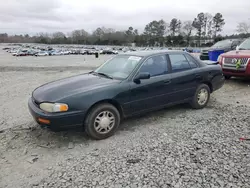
(130, 34)
(198, 24)
(174, 26)
(155, 31)
(218, 23)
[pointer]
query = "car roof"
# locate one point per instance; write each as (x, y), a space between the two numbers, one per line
(151, 52)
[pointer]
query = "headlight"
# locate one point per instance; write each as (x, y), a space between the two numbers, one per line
(54, 107)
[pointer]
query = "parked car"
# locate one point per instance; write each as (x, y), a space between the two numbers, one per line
(22, 53)
(42, 53)
(237, 62)
(32, 52)
(225, 45)
(6, 48)
(108, 51)
(54, 52)
(124, 86)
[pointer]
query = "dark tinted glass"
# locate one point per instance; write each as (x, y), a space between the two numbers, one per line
(155, 66)
(179, 62)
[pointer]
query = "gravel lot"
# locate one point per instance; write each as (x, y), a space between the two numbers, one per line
(175, 147)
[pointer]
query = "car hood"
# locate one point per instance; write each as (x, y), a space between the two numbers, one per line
(240, 53)
(59, 89)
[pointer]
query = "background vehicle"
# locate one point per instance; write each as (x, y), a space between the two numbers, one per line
(225, 45)
(42, 53)
(236, 63)
(126, 85)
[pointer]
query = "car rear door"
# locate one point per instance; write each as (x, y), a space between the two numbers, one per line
(184, 76)
(151, 93)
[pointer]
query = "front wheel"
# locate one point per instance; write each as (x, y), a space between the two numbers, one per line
(201, 97)
(102, 121)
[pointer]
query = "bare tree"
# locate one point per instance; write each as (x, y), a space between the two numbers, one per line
(207, 27)
(187, 30)
(243, 27)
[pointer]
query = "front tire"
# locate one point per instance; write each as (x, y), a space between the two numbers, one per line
(201, 97)
(102, 121)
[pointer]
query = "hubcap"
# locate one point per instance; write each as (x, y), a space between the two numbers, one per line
(202, 96)
(104, 122)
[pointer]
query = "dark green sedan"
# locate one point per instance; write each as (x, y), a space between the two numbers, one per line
(126, 85)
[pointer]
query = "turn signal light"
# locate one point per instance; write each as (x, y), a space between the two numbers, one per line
(44, 121)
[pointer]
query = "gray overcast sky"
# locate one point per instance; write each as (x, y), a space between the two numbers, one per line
(33, 16)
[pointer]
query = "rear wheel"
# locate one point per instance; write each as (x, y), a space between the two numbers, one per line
(102, 121)
(201, 97)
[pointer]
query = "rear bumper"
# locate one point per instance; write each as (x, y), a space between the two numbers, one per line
(204, 57)
(57, 121)
(218, 82)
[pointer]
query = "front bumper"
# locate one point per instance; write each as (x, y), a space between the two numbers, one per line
(236, 73)
(57, 120)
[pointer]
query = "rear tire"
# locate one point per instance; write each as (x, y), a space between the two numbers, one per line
(102, 121)
(201, 97)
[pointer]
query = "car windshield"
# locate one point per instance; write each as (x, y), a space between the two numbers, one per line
(119, 67)
(222, 43)
(245, 45)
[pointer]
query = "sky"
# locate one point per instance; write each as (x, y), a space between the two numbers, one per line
(34, 16)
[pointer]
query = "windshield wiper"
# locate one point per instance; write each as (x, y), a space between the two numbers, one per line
(243, 49)
(102, 74)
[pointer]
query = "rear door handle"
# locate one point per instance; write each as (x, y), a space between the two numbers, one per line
(167, 82)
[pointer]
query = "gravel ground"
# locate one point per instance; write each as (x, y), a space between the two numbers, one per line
(174, 147)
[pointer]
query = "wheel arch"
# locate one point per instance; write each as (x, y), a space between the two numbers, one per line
(209, 84)
(109, 101)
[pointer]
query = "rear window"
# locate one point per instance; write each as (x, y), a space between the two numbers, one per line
(179, 62)
(191, 61)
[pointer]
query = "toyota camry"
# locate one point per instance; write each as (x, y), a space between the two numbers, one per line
(126, 85)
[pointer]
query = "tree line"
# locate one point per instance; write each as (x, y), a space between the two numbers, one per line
(204, 29)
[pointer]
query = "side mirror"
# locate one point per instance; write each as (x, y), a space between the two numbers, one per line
(141, 76)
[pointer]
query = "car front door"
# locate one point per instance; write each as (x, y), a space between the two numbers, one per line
(184, 76)
(151, 93)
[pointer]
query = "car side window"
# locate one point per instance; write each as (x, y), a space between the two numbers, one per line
(179, 62)
(191, 61)
(155, 66)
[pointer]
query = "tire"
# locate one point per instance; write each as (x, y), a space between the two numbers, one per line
(104, 110)
(195, 101)
(227, 77)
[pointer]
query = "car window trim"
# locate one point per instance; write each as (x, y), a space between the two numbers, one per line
(143, 61)
(189, 61)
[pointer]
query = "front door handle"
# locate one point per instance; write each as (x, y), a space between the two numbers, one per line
(167, 82)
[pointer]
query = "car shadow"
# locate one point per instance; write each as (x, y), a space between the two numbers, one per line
(130, 124)
(239, 80)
